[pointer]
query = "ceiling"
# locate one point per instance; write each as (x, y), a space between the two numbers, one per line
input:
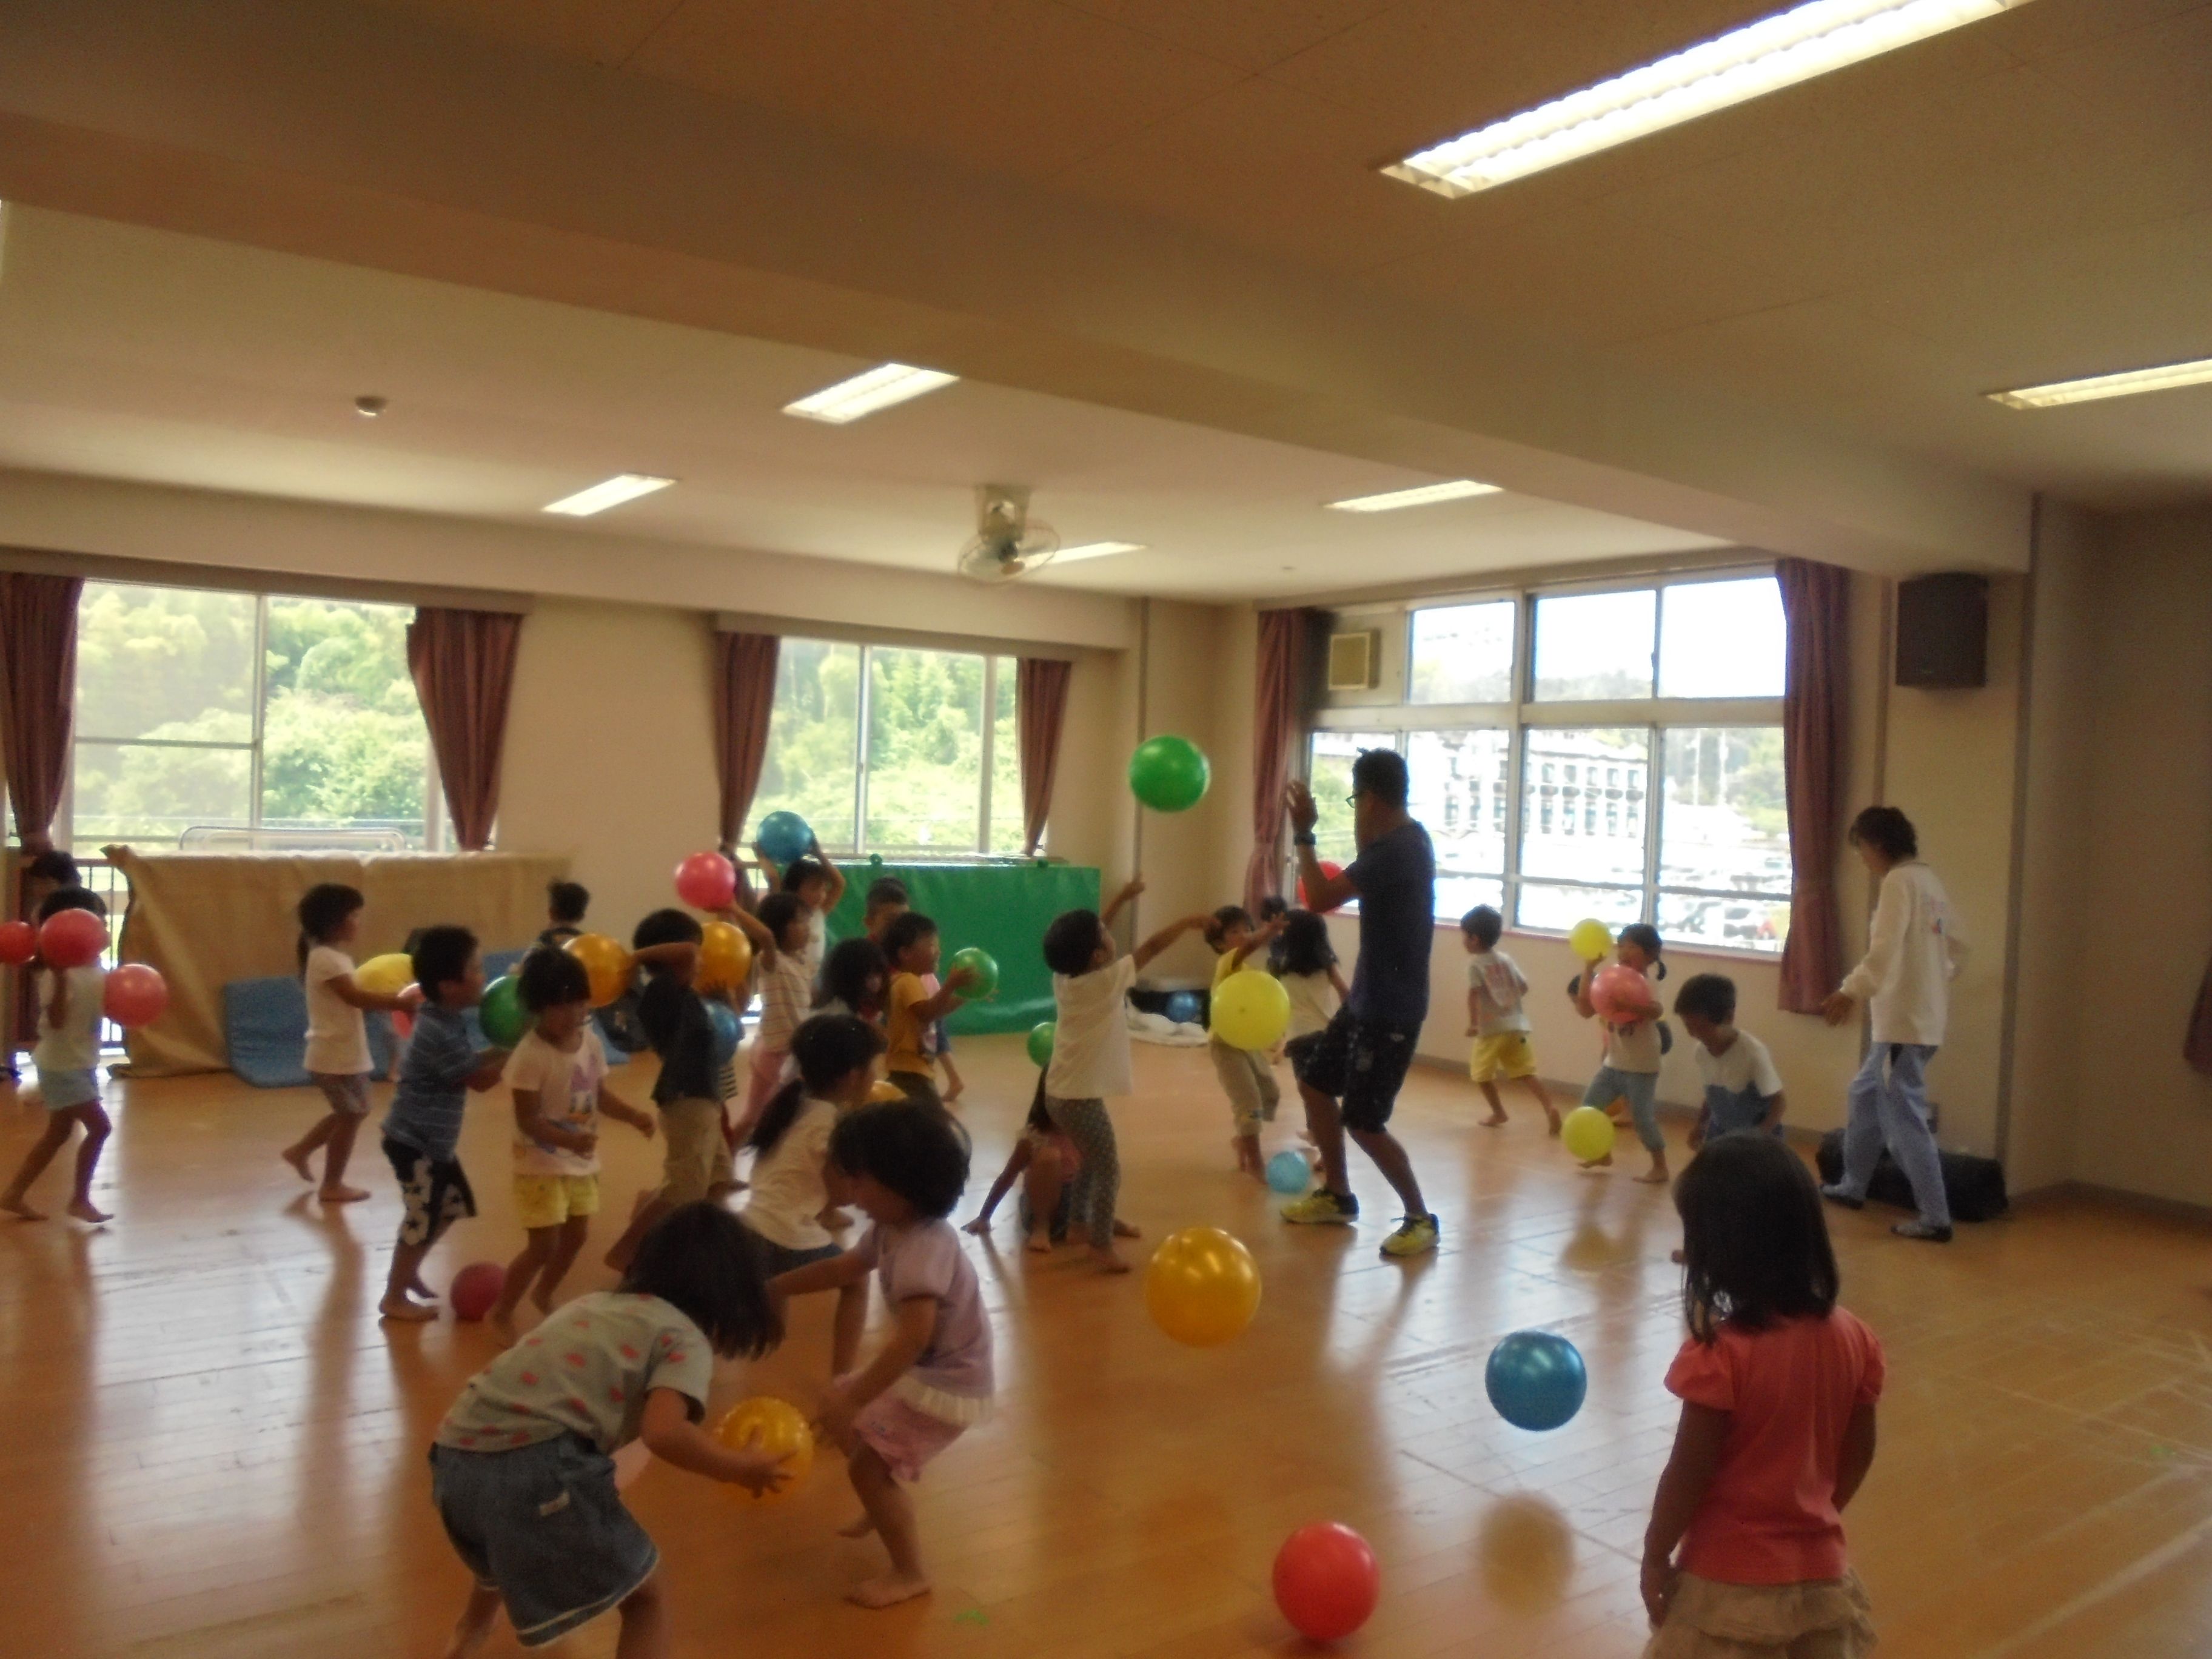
(142, 354)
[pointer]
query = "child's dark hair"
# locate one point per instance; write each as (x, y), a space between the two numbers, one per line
(908, 928)
(1707, 996)
(1272, 906)
(1754, 1243)
(828, 1049)
(846, 971)
(1887, 829)
(1644, 936)
(1072, 940)
(916, 1151)
(54, 865)
(71, 898)
(1304, 945)
(439, 956)
(703, 1261)
(1227, 916)
(802, 870)
(1483, 926)
(665, 927)
(566, 901)
(778, 911)
(887, 890)
(551, 979)
(323, 908)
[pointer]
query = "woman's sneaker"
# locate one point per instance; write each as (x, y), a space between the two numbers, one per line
(1322, 1207)
(1416, 1235)
(1923, 1229)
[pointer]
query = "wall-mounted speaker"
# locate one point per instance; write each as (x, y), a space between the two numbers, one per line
(1943, 632)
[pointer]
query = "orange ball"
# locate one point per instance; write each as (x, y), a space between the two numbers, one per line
(606, 965)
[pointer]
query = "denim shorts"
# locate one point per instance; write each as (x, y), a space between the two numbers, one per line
(543, 1525)
(781, 1258)
(65, 1090)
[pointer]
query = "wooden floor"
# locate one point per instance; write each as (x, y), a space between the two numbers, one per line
(211, 1446)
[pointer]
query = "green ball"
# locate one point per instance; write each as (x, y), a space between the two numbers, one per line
(502, 1014)
(1041, 1036)
(980, 962)
(1169, 773)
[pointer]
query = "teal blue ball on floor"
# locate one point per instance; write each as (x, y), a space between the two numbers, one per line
(1184, 1008)
(1287, 1173)
(1537, 1379)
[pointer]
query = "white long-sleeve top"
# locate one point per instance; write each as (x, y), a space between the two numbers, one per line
(1913, 949)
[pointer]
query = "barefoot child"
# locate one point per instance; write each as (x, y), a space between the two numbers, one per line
(1246, 1077)
(906, 1164)
(338, 1038)
(1496, 1018)
(855, 976)
(522, 1470)
(780, 943)
(1631, 1070)
(423, 1130)
(1306, 961)
(558, 1073)
(1742, 1089)
(1091, 1054)
(68, 1059)
(911, 944)
(1745, 1552)
(1045, 1161)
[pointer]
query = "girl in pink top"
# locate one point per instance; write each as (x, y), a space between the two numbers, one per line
(1744, 1557)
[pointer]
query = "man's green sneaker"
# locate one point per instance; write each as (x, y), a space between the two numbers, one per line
(1322, 1207)
(1416, 1236)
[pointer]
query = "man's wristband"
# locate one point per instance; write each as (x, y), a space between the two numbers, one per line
(1305, 839)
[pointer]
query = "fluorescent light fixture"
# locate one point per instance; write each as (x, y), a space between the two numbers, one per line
(864, 394)
(1759, 57)
(1095, 550)
(2125, 384)
(1391, 501)
(622, 487)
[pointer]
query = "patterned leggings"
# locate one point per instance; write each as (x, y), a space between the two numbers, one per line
(1099, 1183)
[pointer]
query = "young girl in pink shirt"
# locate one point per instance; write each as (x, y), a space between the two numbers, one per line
(1744, 1557)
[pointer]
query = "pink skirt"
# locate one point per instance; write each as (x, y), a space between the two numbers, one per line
(903, 1435)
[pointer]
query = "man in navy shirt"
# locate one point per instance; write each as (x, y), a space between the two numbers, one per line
(1351, 1078)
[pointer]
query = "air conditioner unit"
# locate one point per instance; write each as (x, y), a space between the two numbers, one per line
(1354, 661)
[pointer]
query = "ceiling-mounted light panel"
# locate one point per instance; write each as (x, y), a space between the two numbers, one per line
(864, 394)
(1095, 550)
(1391, 501)
(613, 492)
(2127, 383)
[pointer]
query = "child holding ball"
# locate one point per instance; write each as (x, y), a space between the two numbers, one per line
(1632, 1049)
(338, 1038)
(68, 1059)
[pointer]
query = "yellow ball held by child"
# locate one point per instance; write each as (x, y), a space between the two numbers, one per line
(1251, 1009)
(1202, 1287)
(1587, 1134)
(1591, 939)
(606, 965)
(775, 1426)
(385, 975)
(726, 956)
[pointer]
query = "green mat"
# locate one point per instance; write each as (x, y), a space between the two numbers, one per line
(1004, 907)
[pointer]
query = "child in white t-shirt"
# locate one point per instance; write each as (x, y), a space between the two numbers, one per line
(558, 1073)
(1497, 1018)
(786, 976)
(1090, 1052)
(68, 1059)
(1633, 1047)
(1742, 1089)
(337, 1039)
(1248, 1077)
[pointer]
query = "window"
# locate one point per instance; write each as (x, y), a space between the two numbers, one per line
(207, 718)
(1592, 777)
(894, 750)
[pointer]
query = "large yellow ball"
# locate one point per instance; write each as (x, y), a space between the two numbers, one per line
(1587, 1134)
(775, 1426)
(386, 975)
(606, 964)
(1251, 1009)
(726, 956)
(1590, 938)
(1203, 1286)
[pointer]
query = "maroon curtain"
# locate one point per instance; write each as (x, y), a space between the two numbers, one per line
(1279, 711)
(1815, 704)
(2197, 1048)
(745, 696)
(1040, 709)
(38, 663)
(462, 662)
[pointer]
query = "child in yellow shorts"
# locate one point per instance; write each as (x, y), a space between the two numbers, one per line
(1496, 1018)
(558, 1073)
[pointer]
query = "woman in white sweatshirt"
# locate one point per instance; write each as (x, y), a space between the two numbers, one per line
(1913, 949)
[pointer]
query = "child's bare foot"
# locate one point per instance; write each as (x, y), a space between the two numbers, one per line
(1492, 1122)
(1605, 1162)
(1124, 1229)
(1110, 1260)
(417, 1287)
(1554, 1118)
(887, 1591)
(341, 1195)
(502, 1326)
(19, 1205)
(1038, 1243)
(859, 1528)
(297, 1157)
(410, 1313)
(81, 1208)
(1654, 1176)
(979, 1226)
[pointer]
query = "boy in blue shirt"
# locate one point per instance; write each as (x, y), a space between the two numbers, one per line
(1742, 1089)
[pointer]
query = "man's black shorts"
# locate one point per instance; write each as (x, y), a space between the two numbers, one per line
(1362, 1064)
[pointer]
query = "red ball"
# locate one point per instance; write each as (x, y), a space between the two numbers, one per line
(19, 943)
(1616, 990)
(475, 1288)
(72, 939)
(1332, 870)
(1326, 1583)
(707, 881)
(135, 994)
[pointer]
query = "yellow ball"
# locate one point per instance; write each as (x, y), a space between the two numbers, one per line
(606, 964)
(726, 956)
(1251, 1009)
(1591, 939)
(1202, 1287)
(386, 975)
(1586, 1134)
(775, 1426)
(883, 1092)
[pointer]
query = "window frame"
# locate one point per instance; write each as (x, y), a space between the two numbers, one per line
(1656, 714)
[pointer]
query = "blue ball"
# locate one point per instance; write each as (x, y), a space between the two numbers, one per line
(785, 838)
(1287, 1173)
(1183, 1007)
(1535, 1379)
(727, 1030)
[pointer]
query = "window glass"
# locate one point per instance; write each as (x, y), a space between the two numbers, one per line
(925, 751)
(1006, 829)
(1329, 773)
(1463, 653)
(1723, 640)
(1747, 923)
(1584, 830)
(1458, 787)
(1595, 646)
(1554, 907)
(155, 793)
(173, 664)
(344, 745)
(1725, 827)
(813, 753)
